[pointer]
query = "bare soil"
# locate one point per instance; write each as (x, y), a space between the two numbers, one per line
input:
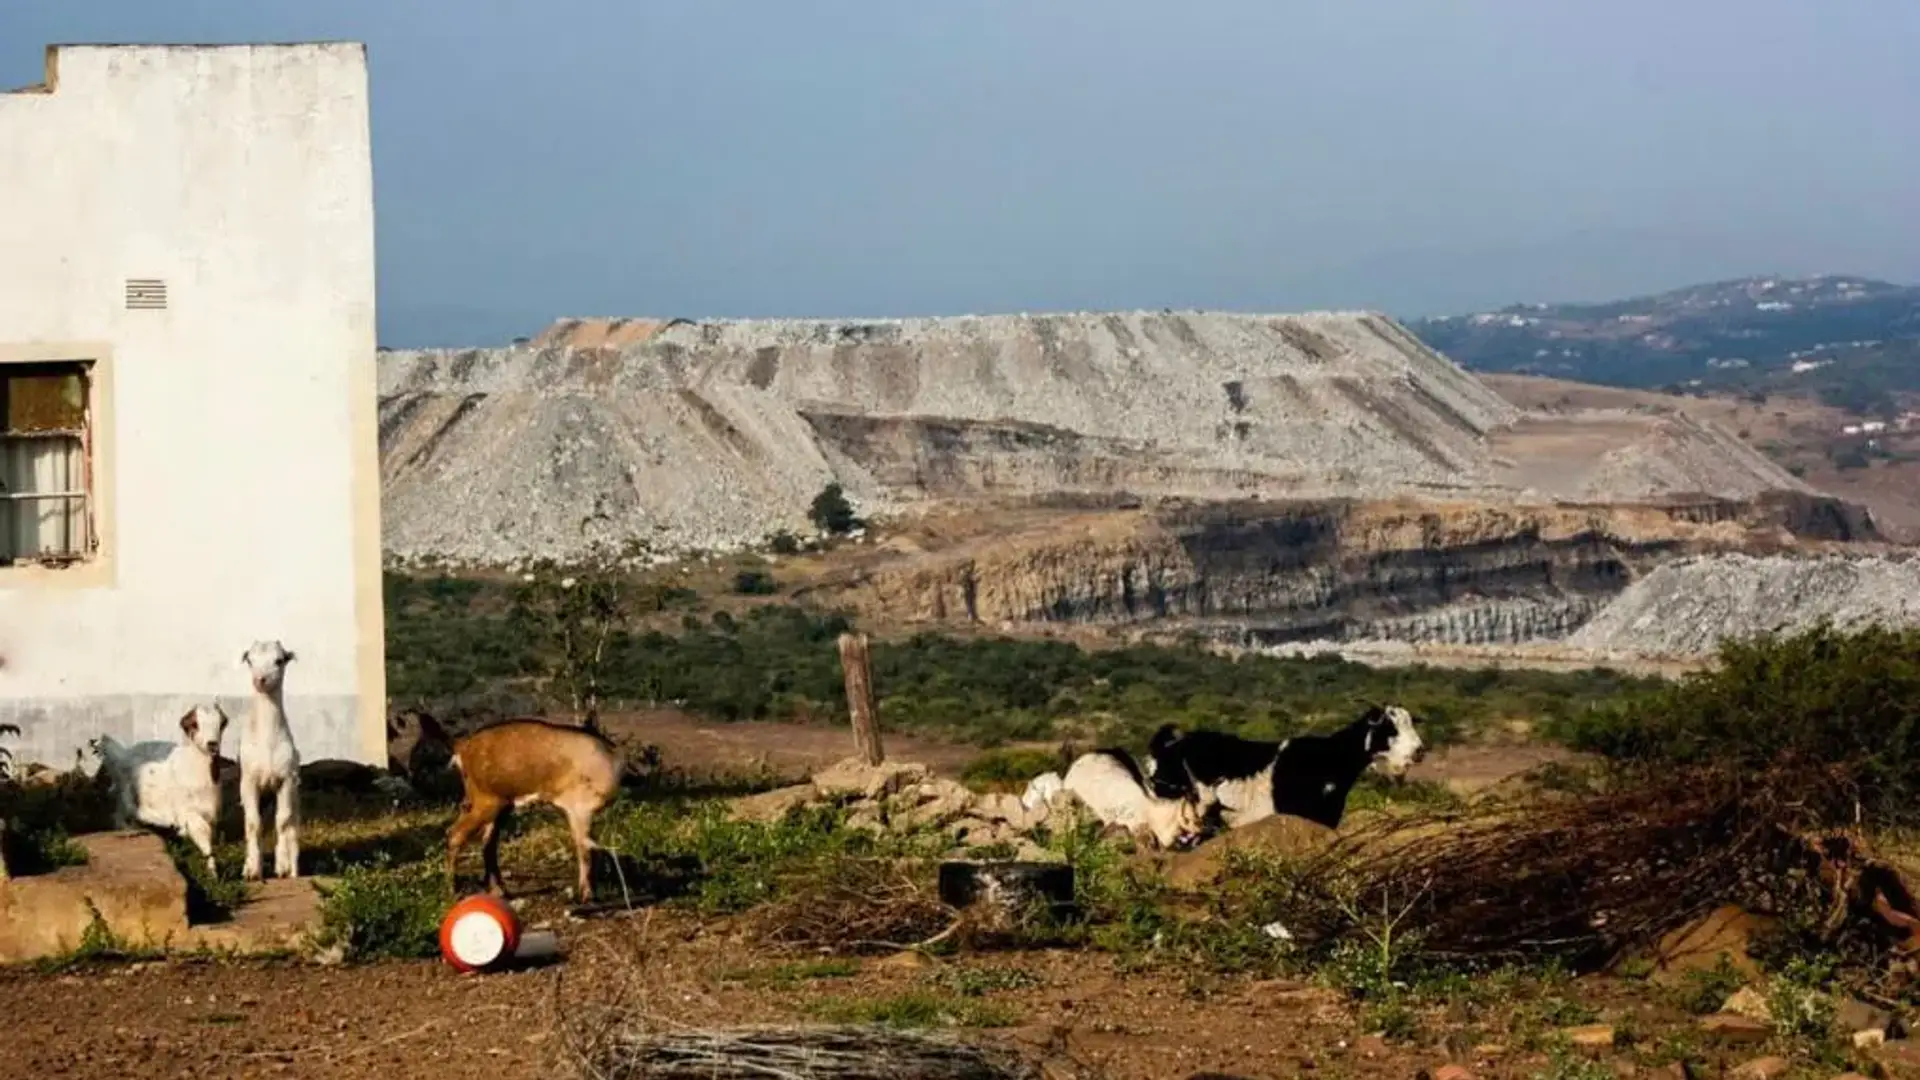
(788, 750)
(423, 1021)
(1792, 431)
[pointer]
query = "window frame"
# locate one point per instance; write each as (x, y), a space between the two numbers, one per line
(89, 545)
(96, 567)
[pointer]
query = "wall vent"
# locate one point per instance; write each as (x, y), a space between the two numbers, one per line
(146, 294)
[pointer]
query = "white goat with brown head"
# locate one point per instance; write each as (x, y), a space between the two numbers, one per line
(169, 785)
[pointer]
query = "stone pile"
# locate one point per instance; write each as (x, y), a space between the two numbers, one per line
(906, 796)
(1685, 607)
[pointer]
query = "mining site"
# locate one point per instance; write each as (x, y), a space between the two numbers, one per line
(1318, 481)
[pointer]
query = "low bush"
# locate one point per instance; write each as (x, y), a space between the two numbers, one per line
(382, 912)
(1841, 704)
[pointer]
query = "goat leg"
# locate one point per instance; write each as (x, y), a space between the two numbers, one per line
(472, 815)
(200, 831)
(286, 828)
(250, 814)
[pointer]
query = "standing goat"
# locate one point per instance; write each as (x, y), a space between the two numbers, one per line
(269, 762)
(169, 785)
(1306, 776)
(525, 762)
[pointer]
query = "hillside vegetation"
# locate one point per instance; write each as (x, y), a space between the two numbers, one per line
(458, 645)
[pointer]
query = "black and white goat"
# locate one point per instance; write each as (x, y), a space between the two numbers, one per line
(1307, 776)
(1111, 785)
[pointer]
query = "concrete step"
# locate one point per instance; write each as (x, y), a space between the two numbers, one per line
(134, 888)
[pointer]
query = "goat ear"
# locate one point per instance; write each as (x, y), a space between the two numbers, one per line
(190, 724)
(289, 656)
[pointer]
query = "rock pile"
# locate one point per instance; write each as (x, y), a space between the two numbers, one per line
(1685, 607)
(900, 796)
(686, 436)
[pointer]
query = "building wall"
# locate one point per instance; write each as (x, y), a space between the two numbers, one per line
(236, 457)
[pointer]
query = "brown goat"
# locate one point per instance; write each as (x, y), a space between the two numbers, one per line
(527, 761)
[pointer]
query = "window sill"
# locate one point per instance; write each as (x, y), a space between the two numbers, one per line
(84, 573)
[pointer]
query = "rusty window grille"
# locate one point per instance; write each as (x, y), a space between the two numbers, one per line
(46, 463)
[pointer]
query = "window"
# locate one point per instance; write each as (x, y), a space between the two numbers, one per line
(46, 473)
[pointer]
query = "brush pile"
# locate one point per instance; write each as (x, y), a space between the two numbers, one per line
(1587, 880)
(859, 906)
(795, 1053)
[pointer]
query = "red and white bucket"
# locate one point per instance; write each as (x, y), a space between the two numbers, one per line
(481, 933)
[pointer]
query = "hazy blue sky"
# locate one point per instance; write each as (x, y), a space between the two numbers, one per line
(888, 157)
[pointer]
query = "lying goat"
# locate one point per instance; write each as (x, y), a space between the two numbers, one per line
(525, 762)
(170, 785)
(1307, 776)
(1118, 793)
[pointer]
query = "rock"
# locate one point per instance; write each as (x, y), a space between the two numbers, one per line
(1591, 1037)
(1007, 808)
(907, 960)
(1280, 835)
(1723, 932)
(1900, 1057)
(1766, 1068)
(1452, 1072)
(977, 833)
(1749, 1003)
(935, 803)
(852, 777)
(1868, 1038)
(770, 806)
(1731, 1027)
(1854, 1015)
(1850, 1076)
(1372, 1046)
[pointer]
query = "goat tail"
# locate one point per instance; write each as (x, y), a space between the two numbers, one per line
(1166, 736)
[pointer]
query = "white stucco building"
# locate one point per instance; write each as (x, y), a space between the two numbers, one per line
(188, 444)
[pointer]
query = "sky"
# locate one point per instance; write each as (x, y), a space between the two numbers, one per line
(866, 158)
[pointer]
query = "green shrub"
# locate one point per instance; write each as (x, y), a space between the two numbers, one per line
(1008, 770)
(376, 912)
(754, 583)
(831, 513)
(1848, 702)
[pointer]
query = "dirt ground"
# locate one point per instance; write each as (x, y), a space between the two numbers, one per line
(1080, 1010)
(422, 1021)
(790, 750)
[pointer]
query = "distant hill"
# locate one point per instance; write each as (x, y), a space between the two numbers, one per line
(1852, 342)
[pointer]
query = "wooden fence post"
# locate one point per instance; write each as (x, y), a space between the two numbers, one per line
(858, 668)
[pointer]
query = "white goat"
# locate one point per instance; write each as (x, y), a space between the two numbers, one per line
(170, 785)
(1111, 784)
(269, 762)
(1041, 790)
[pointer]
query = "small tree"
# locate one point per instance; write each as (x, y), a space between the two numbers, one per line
(575, 612)
(831, 513)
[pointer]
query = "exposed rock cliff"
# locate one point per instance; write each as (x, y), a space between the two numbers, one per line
(1467, 573)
